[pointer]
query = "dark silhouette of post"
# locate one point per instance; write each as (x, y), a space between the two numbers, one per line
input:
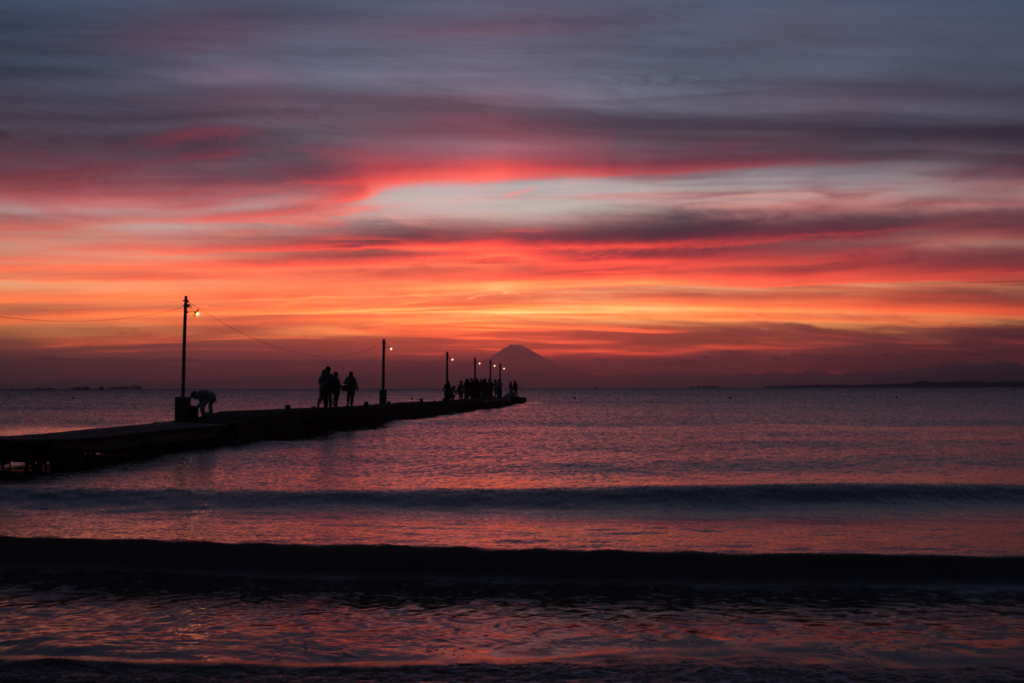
(383, 391)
(474, 367)
(446, 367)
(490, 366)
(183, 404)
(184, 335)
(499, 370)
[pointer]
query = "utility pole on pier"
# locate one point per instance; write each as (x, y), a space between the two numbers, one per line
(383, 354)
(474, 367)
(446, 367)
(184, 331)
(183, 404)
(490, 366)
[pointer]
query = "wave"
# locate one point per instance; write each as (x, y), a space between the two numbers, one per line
(402, 562)
(647, 669)
(611, 500)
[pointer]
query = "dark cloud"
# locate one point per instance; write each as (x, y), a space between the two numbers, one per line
(357, 92)
(863, 157)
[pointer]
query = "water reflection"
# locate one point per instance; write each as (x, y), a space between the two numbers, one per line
(262, 621)
(635, 443)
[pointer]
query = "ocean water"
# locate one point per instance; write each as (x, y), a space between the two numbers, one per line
(930, 473)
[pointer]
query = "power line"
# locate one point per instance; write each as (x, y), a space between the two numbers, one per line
(101, 320)
(207, 312)
(418, 363)
(275, 346)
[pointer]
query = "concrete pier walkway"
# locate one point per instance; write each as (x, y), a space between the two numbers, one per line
(87, 448)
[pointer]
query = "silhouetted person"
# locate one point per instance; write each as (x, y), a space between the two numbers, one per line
(461, 390)
(325, 388)
(515, 389)
(449, 393)
(351, 387)
(335, 390)
(206, 400)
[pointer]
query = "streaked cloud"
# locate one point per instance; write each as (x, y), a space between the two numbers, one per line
(589, 177)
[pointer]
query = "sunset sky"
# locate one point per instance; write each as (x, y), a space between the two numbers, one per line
(665, 186)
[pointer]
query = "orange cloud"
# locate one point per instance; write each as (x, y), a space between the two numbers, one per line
(323, 180)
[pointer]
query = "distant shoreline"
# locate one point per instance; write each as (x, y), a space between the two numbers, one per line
(910, 385)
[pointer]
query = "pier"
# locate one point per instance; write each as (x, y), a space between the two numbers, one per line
(87, 448)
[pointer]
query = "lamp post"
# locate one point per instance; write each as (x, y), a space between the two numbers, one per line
(490, 366)
(474, 367)
(383, 354)
(184, 335)
(183, 404)
(447, 359)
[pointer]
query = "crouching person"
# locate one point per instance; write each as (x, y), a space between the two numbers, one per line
(206, 400)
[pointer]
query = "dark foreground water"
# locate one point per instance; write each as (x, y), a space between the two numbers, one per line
(875, 474)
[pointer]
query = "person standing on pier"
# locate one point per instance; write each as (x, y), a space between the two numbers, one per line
(325, 388)
(351, 387)
(206, 400)
(335, 389)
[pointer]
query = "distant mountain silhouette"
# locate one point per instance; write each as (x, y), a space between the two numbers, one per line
(529, 368)
(520, 356)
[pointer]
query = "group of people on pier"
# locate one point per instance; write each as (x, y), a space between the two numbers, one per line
(331, 386)
(479, 388)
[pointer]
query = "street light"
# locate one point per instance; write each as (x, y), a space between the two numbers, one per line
(384, 348)
(183, 404)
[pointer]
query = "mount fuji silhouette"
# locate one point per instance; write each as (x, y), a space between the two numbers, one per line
(529, 368)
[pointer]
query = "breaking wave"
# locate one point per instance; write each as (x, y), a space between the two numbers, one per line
(613, 499)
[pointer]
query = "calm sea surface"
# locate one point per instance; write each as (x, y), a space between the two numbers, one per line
(926, 472)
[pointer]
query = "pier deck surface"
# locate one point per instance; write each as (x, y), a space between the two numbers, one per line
(94, 447)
